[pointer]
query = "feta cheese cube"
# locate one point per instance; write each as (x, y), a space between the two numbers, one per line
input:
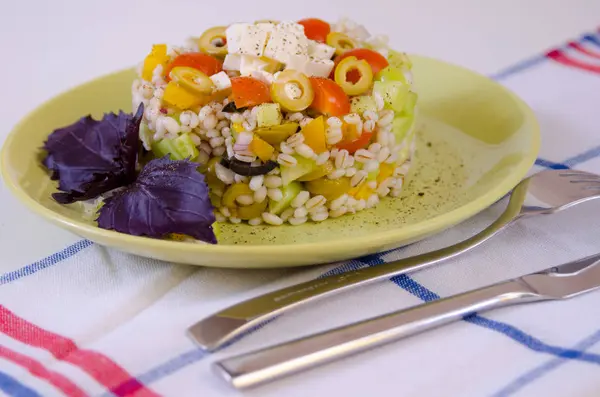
(232, 62)
(286, 39)
(250, 63)
(263, 76)
(221, 81)
(319, 67)
(297, 62)
(234, 34)
(319, 50)
(254, 39)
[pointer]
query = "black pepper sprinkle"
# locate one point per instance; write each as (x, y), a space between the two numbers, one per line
(429, 144)
(421, 194)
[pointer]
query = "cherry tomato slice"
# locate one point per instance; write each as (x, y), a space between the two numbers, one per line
(205, 63)
(362, 142)
(374, 58)
(330, 99)
(315, 29)
(248, 91)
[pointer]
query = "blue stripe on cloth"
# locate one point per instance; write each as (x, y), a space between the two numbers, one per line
(592, 39)
(550, 164)
(521, 337)
(13, 387)
(583, 157)
(44, 263)
(545, 368)
(519, 67)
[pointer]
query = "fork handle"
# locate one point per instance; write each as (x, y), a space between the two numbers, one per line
(262, 366)
(222, 327)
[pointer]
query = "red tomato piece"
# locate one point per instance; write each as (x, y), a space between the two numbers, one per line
(315, 29)
(330, 99)
(360, 143)
(248, 91)
(205, 63)
(374, 58)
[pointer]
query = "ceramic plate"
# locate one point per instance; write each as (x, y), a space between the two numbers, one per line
(476, 141)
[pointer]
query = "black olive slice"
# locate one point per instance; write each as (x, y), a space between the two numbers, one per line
(246, 169)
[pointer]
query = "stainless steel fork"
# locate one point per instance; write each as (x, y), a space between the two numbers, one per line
(546, 192)
(255, 368)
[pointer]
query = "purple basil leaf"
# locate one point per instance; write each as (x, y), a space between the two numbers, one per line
(91, 157)
(167, 197)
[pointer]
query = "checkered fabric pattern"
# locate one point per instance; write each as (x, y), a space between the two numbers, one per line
(87, 321)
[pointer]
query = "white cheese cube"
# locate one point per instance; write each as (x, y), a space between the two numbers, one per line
(297, 62)
(221, 81)
(234, 34)
(319, 50)
(263, 76)
(286, 40)
(250, 63)
(232, 62)
(319, 67)
(254, 39)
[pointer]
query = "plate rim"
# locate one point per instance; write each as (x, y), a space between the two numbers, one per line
(387, 237)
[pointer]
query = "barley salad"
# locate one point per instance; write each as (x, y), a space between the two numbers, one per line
(292, 121)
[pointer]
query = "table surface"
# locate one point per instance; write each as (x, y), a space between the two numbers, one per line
(51, 46)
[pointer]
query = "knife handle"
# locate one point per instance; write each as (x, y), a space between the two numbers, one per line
(262, 366)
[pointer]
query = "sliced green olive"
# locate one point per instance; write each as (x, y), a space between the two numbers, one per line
(276, 134)
(292, 90)
(350, 64)
(340, 42)
(192, 79)
(233, 192)
(214, 41)
(252, 211)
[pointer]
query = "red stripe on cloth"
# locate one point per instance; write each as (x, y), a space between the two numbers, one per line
(97, 365)
(560, 57)
(584, 50)
(37, 369)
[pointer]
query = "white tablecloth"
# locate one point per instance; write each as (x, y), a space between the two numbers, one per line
(77, 319)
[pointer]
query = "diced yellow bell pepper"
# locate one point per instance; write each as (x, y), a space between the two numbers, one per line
(158, 56)
(177, 96)
(361, 192)
(350, 132)
(329, 188)
(314, 135)
(262, 149)
(385, 171)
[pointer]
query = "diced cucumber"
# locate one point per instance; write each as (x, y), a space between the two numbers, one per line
(361, 104)
(268, 114)
(146, 135)
(185, 147)
(216, 230)
(391, 73)
(303, 167)
(399, 59)
(372, 176)
(290, 192)
(401, 125)
(411, 102)
(164, 147)
(394, 94)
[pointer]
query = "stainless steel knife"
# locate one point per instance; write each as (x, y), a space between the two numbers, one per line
(258, 367)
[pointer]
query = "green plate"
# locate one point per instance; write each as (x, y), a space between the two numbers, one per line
(476, 141)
